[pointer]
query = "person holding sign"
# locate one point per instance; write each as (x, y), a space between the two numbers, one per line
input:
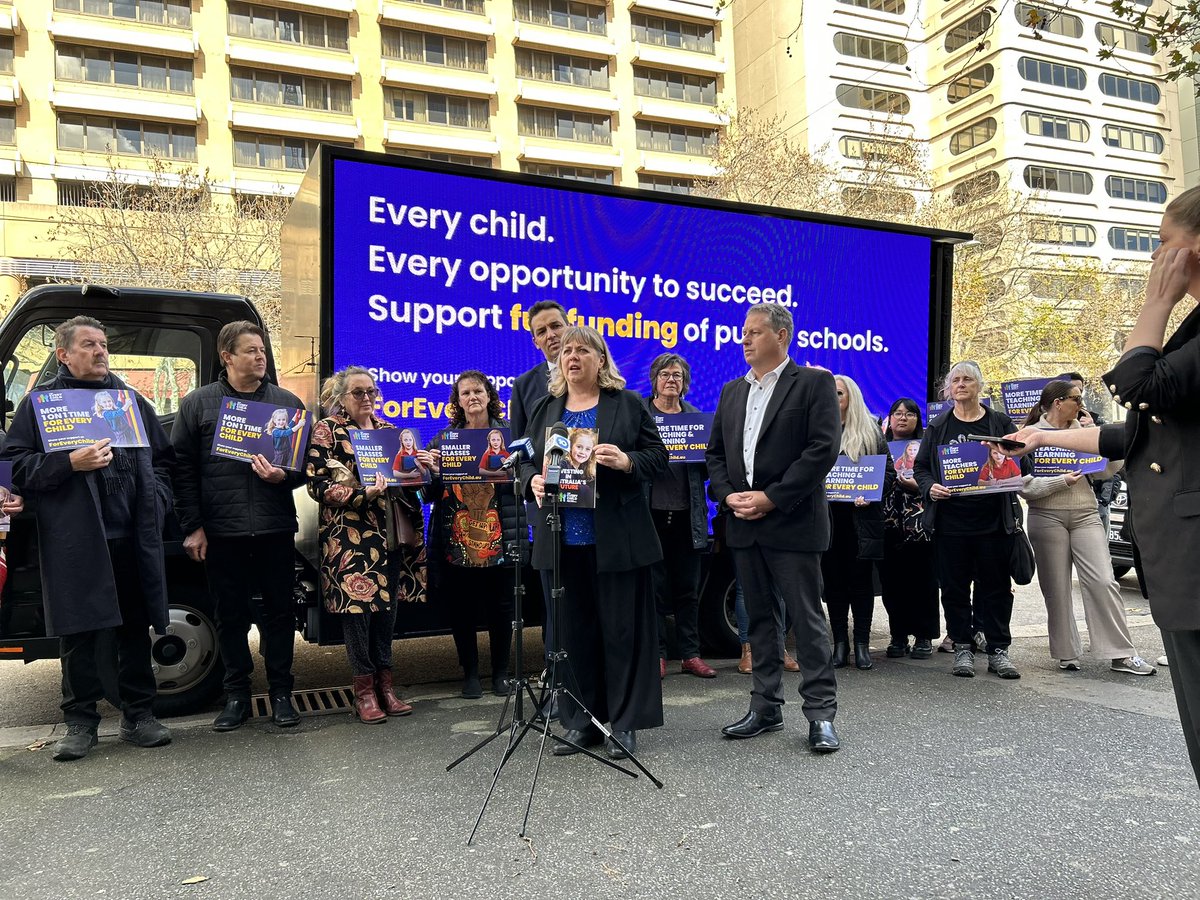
(680, 515)
(608, 622)
(470, 528)
(239, 519)
(856, 539)
(972, 534)
(100, 511)
(371, 546)
(1065, 530)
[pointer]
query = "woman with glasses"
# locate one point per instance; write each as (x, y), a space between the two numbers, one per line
(680, 515)
(371, 547)
(910, 591)
(1065, 530)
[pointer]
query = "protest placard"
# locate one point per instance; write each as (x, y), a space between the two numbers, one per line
(684, 434)
(70, 419)
(1019, 397)
(848, 479)
(390, 452)
(970, 468)
(577, 473)
(247, 428)
(904, 456)
(1050, 461)
(475, 454)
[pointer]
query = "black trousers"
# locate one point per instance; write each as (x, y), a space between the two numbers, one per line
(849, 581)
(910, 588)
(1183, 654)
(369, 640)
(239, 568)
(677, 581)
(978, 561)
(796, 576)
(475, 596)
(610, 633)
(81, 684)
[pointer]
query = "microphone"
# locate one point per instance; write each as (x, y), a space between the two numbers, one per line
(520, 448)
(557, 446)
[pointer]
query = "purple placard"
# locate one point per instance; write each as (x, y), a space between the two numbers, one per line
(246, 428)
(70, 419)
(969, 468)
(390, 452)
(685, 435)
(474, 455)
(577, 474)
(848, 479)
(5, 493)
(937, 407)
(904, 454)
(1049, 461)
(1019, 397)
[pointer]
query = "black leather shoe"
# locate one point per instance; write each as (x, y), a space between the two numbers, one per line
(822, 738)
(582, 737)
(898, 648)
(753, 724)
(862, 656)
(233, 716)
(283, 713)
(841, 654)
(628, 739)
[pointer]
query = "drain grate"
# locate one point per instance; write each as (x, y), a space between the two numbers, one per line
(318, 702)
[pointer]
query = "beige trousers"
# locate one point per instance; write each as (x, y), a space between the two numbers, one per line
(1061, 537)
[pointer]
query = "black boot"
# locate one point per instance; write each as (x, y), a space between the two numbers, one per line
(862, 656)
(898, 648)
(472, 689)
(841, 654)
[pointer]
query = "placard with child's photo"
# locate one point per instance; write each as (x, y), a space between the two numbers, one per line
(577, 473)
(475, 455)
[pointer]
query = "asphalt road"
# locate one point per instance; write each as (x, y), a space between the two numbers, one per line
(1058, 785)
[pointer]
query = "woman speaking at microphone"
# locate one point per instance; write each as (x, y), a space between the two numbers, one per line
(607, 616)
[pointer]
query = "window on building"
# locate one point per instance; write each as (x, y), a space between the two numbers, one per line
(970, 83)
(177, 13)
(126, 137)
(571, 173)
(8, 125)
(289, 89)
(858, 97)
(973, 136)
(1049, 20)
(1140, 189)
(563, 14)
(1069, 234)
(871, 149)
(6, 54)
(289, 26)
(581, 71)
(272, 151)
(872, 48)
(435, 109)
(1129, 88)
(667, 184)
(1124, 39)
(434, 49)
(1133, 139)
(1043, 71)
(471, 6)
(968, 31)
(1049, 178)
(1064, 128)
(1140, 240)
(664, 32)
(669, 138)
(564, 124)
(461, 159)
(674, 85)
(8, 189)
(138, 70)
(975, 188)
(895, 7)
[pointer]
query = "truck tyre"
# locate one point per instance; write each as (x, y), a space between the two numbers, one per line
(718, 625)
(187, 663)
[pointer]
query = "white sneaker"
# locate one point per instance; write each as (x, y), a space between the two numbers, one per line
(1134, 665)
(1069, 665)
(1162, 661)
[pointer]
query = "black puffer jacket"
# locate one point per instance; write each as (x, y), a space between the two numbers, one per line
(224, 496)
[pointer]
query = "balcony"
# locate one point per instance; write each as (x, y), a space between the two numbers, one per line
(435, 18)
(10, 91)
(312, 123)
(655, 163)
(685, 8)
(553, 94)
(438, 78)
(402, 134)
(562, 40)
(326, 6)
(128, 102)
(274, 55)
(10, 22)
(676, 58)
(10, 162)
(135, 35)
(278, 188)
(570, 154)
(678, 111)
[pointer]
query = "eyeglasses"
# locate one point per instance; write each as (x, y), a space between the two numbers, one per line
(671, 376)
(361, 394)
(1078, 398)
(905, 414)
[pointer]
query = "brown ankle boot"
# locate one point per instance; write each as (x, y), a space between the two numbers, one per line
(392, 704)
(746, 664)
(366, 704)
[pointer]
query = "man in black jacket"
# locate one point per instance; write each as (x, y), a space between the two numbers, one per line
(547, 320)
(100, 512)
(240, 521)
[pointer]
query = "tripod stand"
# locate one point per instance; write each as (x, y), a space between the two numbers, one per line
(519, 687)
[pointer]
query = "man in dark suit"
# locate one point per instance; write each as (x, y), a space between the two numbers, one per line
(775, 437)
(547, 320)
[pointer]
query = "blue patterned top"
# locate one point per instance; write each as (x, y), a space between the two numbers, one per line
(579, 525)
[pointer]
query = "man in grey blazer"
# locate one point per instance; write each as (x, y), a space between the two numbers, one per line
(775, 436)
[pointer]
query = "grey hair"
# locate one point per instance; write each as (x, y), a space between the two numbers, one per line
(64, 334)
(968, 366)
(670, 359)
(334, 388)
(778, 318)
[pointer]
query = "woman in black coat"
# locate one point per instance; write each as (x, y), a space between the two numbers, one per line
(607, 614)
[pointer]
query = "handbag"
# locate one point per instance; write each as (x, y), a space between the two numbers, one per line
(1021, 564)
